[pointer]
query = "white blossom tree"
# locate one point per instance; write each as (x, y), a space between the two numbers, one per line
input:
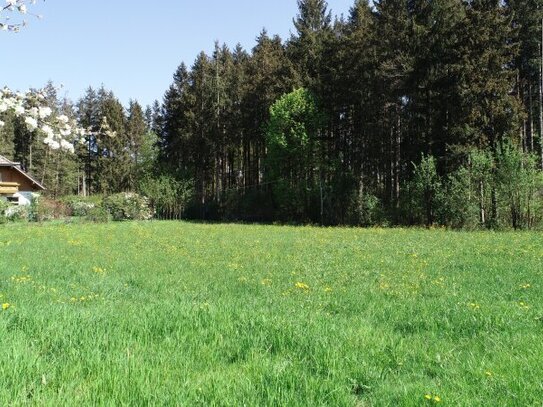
(12, 14)
(60, 132)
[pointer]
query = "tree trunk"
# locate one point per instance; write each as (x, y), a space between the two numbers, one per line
(541, 98)
(482, 210)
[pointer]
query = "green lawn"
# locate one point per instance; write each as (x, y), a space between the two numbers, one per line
(168, 313)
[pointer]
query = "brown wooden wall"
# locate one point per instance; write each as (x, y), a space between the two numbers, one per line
(10, 175)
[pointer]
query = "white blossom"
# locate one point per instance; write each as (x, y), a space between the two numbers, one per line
(66, 131)
(31, 123)
(67, 146)
(48, 131)
(19, 110)
(45, 112)
(41, 118)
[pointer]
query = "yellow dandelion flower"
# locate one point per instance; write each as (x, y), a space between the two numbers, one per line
(437, 399)
(428, 396)
(302, 286)
(5, 306)
(488, 373)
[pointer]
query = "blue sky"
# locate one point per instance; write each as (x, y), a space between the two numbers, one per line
(132, 47)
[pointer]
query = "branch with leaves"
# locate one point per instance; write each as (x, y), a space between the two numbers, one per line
(12, 14)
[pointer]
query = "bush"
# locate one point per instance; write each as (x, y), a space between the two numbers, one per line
(16, 213)
(425, 193)
(366, 210)
(3, 207)
(168, 197)
(81, 206)
(98, 214)
(127, 206)
(44, 209)
(518, 183)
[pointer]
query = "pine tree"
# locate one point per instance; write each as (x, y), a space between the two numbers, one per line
(395, 67)
(114, 162)
(527, 24)
(88, 113)
(136, 130)
(306, 47)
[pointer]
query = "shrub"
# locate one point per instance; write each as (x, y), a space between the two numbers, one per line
(518, 184)
(168, 197)
(366, 210)
(127, 206)
(81, 206)
(98, 214)
(425, 191)
(3, 207)
(16, 213)
(44, 209)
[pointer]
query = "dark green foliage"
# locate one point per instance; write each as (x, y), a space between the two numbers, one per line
(425, 191)
(293, 163)
(167, 196)
(519, 185)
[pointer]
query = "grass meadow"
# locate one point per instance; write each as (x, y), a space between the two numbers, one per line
(173, 313)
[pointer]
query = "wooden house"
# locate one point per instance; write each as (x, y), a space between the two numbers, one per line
(16, 185)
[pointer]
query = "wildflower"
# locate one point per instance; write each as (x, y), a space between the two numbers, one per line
(302, 286)
(434, 398)
(474, 305)
(488, 373)
(5, 306)
(525, 286)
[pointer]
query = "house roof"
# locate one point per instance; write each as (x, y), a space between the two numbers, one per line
(4, 162)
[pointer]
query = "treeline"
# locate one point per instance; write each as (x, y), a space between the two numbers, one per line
(334, 124)
(404, 112)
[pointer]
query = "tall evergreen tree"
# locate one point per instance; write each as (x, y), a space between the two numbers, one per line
(136, 130)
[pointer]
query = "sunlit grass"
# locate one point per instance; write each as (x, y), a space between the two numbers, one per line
(191, 314)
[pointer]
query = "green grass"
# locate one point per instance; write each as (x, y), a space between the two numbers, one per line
(169, 313)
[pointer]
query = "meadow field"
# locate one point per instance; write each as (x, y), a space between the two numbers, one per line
(174, 313)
